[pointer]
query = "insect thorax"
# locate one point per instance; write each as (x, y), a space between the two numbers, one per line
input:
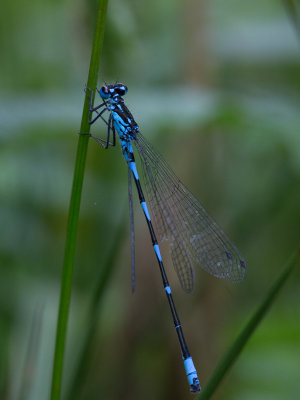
(124, 121)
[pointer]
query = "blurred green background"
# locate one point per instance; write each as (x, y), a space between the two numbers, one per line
(215, 86)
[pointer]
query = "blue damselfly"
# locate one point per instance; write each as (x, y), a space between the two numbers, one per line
(193, 236)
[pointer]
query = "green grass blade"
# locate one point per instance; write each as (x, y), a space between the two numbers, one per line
(233, 352)
(74, 208)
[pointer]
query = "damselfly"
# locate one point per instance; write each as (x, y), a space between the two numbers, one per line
(178, 217)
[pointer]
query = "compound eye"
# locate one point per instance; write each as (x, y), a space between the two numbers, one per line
(104, 92)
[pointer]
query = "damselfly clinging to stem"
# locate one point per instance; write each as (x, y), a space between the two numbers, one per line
(178, 217)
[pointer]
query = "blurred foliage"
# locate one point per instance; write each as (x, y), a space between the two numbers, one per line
(215, 86)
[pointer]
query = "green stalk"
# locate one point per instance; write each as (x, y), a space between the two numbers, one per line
(233, 352)
(66, 283)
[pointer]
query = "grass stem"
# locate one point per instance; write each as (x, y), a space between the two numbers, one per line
(233, 352)
(72, 225)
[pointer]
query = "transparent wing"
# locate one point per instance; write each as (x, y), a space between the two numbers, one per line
(132, 235)
(195, 238)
